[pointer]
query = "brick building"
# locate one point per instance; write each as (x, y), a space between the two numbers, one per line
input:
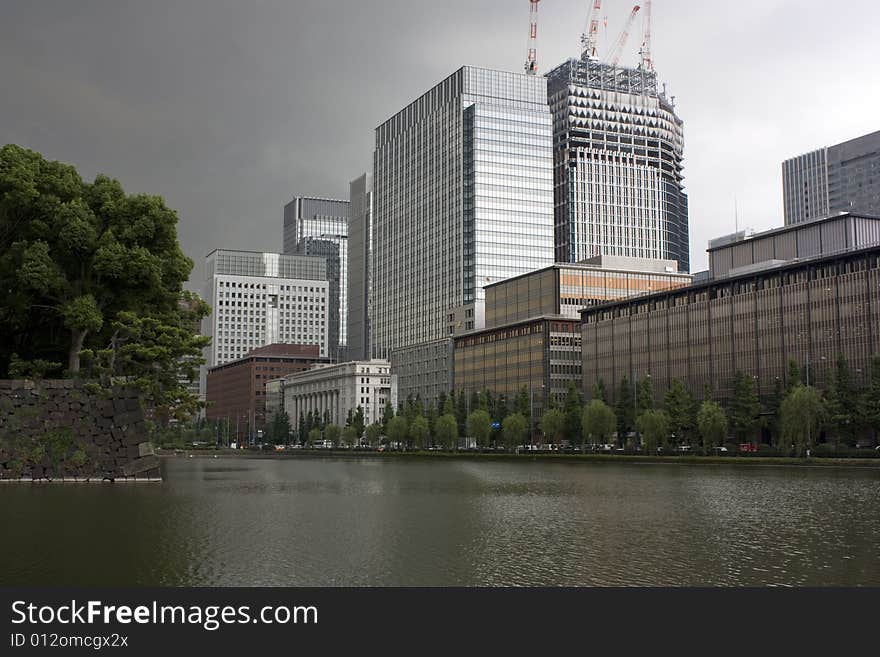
(236, 391)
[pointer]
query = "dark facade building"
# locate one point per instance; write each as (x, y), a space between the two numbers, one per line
(236, 391)
(777, 305)
(313, 246)
(565, 289)
(542, 355)
(841, 178)
(360, 246)
(424, 371)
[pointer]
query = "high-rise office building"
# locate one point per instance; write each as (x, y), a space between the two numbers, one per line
(841, 178)
(359, 249)
(329, 250)
(462, 197)
(618, 172)
(309, 219)
(261, 299)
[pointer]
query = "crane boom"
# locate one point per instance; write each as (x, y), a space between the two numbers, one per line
(590, 38)
(532, 58)
(617, 50)
(647, 57)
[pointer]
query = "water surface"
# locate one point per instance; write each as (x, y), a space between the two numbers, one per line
(363, 522)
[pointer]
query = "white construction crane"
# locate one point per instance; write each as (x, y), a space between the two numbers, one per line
(590, 37)
(532, 58)
(645, 52)
(617, 49)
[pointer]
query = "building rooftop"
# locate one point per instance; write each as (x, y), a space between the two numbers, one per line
(743, 236)
(614, 264)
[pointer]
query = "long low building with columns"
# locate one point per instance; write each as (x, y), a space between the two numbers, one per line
(338, 389)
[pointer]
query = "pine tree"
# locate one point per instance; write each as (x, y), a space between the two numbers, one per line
(679, 405)
(745, 409)
(574, 415)
(645, 394)
(624, 410)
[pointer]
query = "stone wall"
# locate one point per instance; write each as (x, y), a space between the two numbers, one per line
(52, 430)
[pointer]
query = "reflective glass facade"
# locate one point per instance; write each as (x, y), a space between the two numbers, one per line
(308, 218)
(359, 248)
(462, 198)
(618, 154)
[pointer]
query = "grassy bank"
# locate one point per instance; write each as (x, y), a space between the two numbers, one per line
(744, 461)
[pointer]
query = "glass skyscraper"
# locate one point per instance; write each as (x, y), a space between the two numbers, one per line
(841, 178)
(325, 220)
(359, 249)
(618, 152)
(463, 197)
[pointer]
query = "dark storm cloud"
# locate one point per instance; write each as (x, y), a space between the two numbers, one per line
(228, 109)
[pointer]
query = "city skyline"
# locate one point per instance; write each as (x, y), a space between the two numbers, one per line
(219, 123)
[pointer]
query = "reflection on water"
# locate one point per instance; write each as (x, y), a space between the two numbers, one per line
(360, 522)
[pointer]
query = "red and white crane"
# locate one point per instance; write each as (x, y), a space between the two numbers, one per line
(617, 49)
(590, 38)
(645, 52)
(532, 59)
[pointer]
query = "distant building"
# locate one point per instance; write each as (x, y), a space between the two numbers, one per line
(805, 293)
(236, 391)
(541, 355)
(334, 390)
(424, 371)
(359, 250)
(744, 252)
(462, 198)
(309, 224)
(564, 289)
(841, 178)
(618, 164)
(260, 299)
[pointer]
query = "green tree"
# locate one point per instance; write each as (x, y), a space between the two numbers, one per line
(679, 405)
(712, 425)
(598, 422)
(279, 429)
(398, 430)
(654, 428)
(625, 410)
(745, 409)
(461, 413)
(515, 429)
(358, 421)
(332, 433)
(599, 391)
(75, 255)
(800, 419)
(314, 436)
(574, 412)
(350, 436)
(387, 416)
(842, 405)
(448, 407)
(871, 399)
(447, 431)
(793, 376)
(419, 433)
(553, 425)
(773, 405)
(645, 394)
(432, 420)
(373, 434)
(479, 427)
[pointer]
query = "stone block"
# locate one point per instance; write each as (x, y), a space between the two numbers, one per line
(145, 449)
(141, 465)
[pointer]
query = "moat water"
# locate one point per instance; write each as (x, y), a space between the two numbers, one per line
(376, 522)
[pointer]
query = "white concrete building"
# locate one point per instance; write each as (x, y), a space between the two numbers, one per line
(340, 389)
(260, 299)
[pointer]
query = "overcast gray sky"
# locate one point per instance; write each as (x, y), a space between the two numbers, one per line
(229, 109)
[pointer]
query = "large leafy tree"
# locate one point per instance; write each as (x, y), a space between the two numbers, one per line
(418, 431)
(553, 425)
(479, 426)
(843, 404)
(745, 409)
(398, 430)
(574, 409)
(447, 431)
(515, 429)
(679, 405)
(654, 427)
(712, 425)
(599, 422)
(800, 418)
(75, 256)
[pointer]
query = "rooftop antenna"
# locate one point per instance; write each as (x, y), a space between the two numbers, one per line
(532, 58)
